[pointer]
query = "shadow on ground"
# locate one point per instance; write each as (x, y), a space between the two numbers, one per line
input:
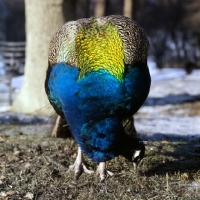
(171, 99)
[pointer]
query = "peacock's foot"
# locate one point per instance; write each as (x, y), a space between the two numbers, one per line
(102, 171)
(79, 166)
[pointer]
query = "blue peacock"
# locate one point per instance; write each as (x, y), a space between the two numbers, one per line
(97, 80)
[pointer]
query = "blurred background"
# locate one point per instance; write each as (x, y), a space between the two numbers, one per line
(172, 25)
(173, 29)
(33, 166)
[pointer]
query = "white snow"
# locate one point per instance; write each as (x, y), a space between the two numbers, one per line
(167, 124)
(173, 81)
(17, 82)
(169, 87)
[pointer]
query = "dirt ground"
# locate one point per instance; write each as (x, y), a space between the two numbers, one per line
(34, 166)
(188, 109)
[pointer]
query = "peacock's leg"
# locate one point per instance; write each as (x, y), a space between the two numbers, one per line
(79, 165)
(101, 170)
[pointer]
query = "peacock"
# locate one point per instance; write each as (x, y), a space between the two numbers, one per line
(97, 79)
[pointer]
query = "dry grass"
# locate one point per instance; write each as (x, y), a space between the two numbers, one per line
(185, 109)
(165, 173)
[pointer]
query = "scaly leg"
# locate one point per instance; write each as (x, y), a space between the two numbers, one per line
(79, 165)
(101, 170)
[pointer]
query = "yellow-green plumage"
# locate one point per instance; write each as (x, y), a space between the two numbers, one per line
(63, 47)
(100, 47)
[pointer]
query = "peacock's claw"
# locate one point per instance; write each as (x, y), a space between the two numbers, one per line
(78, 169)
(102, 171)
(79, 166)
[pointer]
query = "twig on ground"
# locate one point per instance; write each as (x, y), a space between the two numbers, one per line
(49, 160)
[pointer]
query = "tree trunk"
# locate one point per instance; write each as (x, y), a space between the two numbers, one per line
(128, 8)
(99, 9)
(43, 18)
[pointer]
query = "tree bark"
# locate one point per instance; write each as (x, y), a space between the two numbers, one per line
(43, 18)
(99, 8)
(128, 8)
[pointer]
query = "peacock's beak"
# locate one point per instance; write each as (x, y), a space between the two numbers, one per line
(136, 155)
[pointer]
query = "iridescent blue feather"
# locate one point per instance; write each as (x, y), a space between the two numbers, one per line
(95, 105)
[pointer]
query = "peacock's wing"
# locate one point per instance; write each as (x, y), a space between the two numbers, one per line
(129, 127)
(63, 45)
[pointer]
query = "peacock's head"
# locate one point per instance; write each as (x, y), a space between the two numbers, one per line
(133, 149)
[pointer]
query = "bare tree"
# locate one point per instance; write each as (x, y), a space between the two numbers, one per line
(128, 8)
(43, 18)
(192, 19)
(99, 8)
(170, 33)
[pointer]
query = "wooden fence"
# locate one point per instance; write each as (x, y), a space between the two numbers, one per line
(12, 55)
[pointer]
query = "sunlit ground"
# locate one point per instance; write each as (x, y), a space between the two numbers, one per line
(34, 166)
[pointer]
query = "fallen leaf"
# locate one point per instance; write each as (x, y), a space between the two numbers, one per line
(165, 142)
(27, 165)
(82, 184)
(142, 186)
(29, 195)
(2, 177)
(185, 176)
(2, 139)
(3, 194)
(12, 158)
(16, 153)
(4, 135)
(10, 192)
